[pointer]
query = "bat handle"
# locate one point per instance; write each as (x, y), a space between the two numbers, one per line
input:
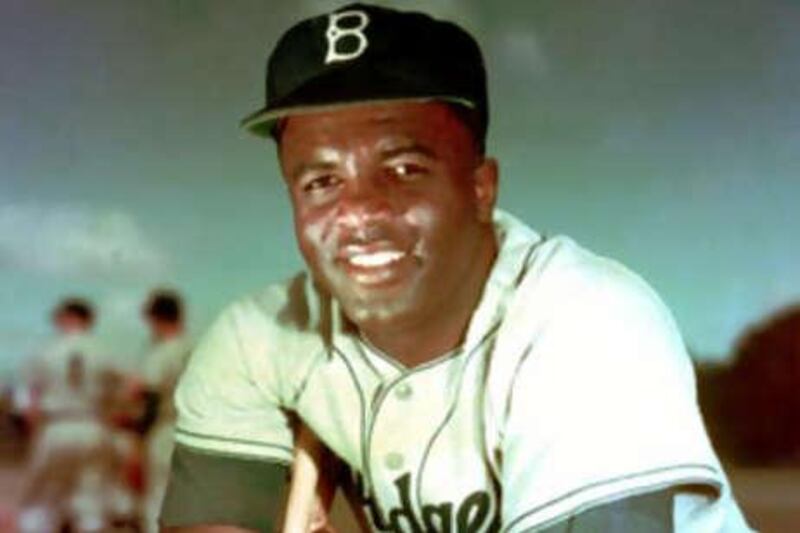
(304, 504)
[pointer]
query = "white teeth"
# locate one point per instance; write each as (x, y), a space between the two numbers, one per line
(375, 259)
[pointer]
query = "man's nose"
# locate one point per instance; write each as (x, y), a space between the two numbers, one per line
(364, 202)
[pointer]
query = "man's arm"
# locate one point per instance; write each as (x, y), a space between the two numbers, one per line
(233, 441)
(601, 407)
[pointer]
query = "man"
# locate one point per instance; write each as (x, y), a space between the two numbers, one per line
(63, 365)
(72, 478)
(163, 313)
(64, 374)
(163, 364)
(473, 375)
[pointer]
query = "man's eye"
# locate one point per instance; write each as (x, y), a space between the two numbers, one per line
(408, 171)
(320, 183)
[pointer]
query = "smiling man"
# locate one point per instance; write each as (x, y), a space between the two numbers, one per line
(393, 207)
(471, 374)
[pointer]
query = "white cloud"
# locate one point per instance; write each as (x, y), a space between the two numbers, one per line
(67, 240)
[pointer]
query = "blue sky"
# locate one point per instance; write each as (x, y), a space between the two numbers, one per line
(665, 134)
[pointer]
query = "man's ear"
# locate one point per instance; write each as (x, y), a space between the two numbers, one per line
(485, 188)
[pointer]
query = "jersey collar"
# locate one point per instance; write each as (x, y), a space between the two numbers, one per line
(515, 240)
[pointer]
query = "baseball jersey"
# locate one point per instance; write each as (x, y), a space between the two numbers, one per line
(162, 367)
(163, 364)
(68, 370)
(571, 389)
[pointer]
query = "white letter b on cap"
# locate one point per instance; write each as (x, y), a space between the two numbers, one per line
(335, 33)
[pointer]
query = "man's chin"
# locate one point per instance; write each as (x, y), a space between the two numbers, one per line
(376, 312)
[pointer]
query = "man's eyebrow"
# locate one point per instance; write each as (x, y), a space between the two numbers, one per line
(410, 148)
(312, 166)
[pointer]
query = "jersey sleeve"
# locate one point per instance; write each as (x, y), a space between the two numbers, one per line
(650, 512)
(226, 398)
(210, 489)
(600, 406)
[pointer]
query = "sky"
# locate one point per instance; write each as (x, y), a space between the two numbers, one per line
(662, 133)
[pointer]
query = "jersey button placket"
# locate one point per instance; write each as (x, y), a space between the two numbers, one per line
(394, 461)
(403, 391)
(393, 449)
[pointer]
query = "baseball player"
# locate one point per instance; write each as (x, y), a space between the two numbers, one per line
(73, 470)
(163, 364)
(472, 374)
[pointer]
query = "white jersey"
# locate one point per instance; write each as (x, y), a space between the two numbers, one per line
(162, 367)
(74, 354)
(571, 389)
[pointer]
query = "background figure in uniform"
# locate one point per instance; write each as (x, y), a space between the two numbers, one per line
(60, 373)
(73, 474)
(163, 313)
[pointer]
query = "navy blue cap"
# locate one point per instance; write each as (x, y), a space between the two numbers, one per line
(362, 53)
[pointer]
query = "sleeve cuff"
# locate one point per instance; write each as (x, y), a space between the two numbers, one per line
(207, 488)
(234, 446)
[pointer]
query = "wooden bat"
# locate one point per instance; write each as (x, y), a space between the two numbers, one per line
(310, 491)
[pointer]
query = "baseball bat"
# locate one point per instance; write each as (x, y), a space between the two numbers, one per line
(310, 492)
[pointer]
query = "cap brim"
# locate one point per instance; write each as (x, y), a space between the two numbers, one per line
(262, 122)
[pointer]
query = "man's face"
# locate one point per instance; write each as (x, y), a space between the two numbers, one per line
(67, 322)
(392, 206)
(156, 327)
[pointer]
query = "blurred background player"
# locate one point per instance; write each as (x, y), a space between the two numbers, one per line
(163, 312)
(58, 372)
(73, 477)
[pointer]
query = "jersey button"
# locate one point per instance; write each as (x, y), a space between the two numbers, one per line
(394, 461)
(403, 391)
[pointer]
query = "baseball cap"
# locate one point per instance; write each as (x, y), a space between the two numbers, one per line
(363, 53)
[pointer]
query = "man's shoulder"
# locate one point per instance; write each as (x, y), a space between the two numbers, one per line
(173, 349)
(558, 263)
(559, 268)
(65, 346)
(281, 323)
(293, 304)
(568, 293)
(255, 355)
